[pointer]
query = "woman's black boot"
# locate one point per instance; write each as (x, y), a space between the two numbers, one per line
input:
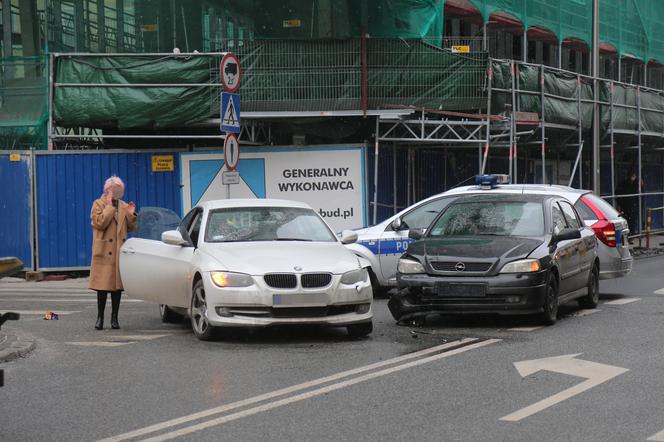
(115, 306)
(101, 305)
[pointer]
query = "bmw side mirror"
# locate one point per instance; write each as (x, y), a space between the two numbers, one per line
(397, 224)
(173, 237)
(415, 234)
(566, 235)
(348, 237)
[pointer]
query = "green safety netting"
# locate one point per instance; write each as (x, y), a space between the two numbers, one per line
(405, 18)
(630, 26)
(565, 95)
(278, 76)
(23, 103)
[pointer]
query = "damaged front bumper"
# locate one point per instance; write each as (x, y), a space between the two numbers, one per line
(419, 295)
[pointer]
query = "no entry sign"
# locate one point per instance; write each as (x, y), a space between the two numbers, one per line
(231, 152)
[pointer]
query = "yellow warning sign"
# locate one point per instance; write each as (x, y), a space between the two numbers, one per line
(460, 48)
(14, 157)
(294, 23)
(163, 163)
(149, 28)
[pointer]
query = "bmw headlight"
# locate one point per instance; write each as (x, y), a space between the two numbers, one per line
(410, 266)
(230, 279)
(354, 276)
(522, 266)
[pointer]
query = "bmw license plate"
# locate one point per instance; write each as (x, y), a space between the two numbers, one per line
(451, 290)
(299, 300)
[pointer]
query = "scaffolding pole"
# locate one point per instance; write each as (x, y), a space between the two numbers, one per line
(579, 129)
(543, 125)
(394, 177)
(517, 103)
(375, 195)
(612, 143)
(638, 110)
(488, 118)
(512, 112)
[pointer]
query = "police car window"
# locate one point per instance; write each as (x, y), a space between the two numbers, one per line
(558, 220)
(570, 215)
(424, 215)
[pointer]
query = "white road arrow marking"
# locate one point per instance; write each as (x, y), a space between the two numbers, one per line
(659, 292)
(659, 437)
(593, 372)
(622, 301)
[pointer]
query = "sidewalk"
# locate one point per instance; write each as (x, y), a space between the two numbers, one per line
(20, 284)
(656, 247)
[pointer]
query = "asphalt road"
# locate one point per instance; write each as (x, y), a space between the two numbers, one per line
(452, 379)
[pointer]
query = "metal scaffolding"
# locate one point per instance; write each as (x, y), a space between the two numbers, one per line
(516, 129)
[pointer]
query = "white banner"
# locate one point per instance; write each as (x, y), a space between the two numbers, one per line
(329, 179)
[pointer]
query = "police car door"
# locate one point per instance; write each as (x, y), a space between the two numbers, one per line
(394, 242)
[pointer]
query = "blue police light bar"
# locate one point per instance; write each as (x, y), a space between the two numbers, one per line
(491, 181)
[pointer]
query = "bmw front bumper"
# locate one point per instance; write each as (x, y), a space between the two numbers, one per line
(262, 306)
(502, 294)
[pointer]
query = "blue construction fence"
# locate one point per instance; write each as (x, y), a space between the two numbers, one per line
(45, 200)
(437, 169)
(45, 197)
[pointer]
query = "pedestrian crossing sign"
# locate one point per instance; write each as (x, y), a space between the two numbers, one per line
(230, 112)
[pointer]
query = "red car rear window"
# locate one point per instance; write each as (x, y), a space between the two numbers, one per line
(594, 207)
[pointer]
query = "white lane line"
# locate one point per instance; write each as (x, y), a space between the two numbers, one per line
(622, 301)
(41, 312)
(659, 437)
(99, 343)
(19, 292)
(90, 300)
(136, 337)
(585, 312)
(659, 292)
(314, 393)
(525, 329)
(283, 391)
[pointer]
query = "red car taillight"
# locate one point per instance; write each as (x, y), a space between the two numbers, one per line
(605, 232)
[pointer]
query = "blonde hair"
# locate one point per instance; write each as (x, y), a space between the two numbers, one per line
(113, 180)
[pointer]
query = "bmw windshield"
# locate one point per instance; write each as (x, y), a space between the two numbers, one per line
(266, 224)
(484, 217)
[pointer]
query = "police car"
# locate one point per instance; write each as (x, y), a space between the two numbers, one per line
(382, 245)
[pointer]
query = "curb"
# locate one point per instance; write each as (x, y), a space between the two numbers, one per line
(16, 345)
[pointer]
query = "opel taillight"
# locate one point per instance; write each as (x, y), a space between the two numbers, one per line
(605, 232)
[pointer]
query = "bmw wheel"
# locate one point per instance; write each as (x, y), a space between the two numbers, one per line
(550, 313)
(199, 321)
(592, 298)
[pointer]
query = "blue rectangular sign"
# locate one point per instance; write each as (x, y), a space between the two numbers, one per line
(230, 112)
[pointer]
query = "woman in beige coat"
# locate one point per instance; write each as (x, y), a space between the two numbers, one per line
(111, 219)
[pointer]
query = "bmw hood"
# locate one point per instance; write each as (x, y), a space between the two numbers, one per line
(260, 257)
(476, 247)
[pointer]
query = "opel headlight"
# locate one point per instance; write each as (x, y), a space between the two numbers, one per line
(229, 279)
(522, 266)
(354, 276)
(410, 266)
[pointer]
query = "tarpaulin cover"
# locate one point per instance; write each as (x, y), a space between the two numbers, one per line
(632, 27)
(123, 108)
(565, 94)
